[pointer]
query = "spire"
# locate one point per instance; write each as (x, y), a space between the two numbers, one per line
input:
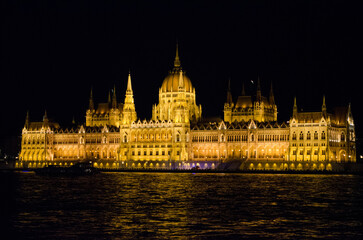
(27, 119)
(243, 89)
(349, 115)
(294, 109)
(114, 99)
(323, 107)
(129, 112)
(180, 85)
(91, 104)
(45, 117)
(129, 87)
(229, 94)
(177, 61)
(109, 97)
(349, 109)
(272, 97)
(258, 94)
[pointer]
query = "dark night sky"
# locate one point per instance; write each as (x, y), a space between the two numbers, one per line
(52, 52)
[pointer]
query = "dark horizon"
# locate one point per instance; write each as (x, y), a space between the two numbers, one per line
(54, 52)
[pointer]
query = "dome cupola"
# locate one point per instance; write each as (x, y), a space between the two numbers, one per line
(176, 78)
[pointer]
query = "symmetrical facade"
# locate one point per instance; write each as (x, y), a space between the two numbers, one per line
(176, 137)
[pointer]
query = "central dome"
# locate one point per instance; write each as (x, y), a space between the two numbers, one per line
(171, 83)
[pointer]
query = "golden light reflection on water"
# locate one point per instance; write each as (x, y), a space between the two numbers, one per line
(162, 205)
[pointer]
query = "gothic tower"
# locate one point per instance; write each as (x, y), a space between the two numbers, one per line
(129, 112)
(228, 106)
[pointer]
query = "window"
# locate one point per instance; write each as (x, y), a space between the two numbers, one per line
(293, 136)
(342, 137)
(315, 135)
(323, 135)
(301, 136)
(308, 136)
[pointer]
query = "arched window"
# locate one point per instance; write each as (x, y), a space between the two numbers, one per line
(125, 138)
(315, 135)
(323, 135)
(308, 135)
(342, 137)
(301, 135)
(177, 138)
(252, 137)
(293, 136)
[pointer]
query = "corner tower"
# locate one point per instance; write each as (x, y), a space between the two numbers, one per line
(177, 98)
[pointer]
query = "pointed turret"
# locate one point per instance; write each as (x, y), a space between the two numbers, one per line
(294, 109)
(129, 112)
(114, 99)
(109, 97)
(27, 120)
(177, 60)
(258, 93)
(45, 117)
(272, 97)
(243, 89)
(229, 94)
(91, 104)
(228, 106)
(129, 87)
(180, 84)
(350, 116)
(323, 107)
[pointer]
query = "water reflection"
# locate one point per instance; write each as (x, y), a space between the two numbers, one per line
(165, 205)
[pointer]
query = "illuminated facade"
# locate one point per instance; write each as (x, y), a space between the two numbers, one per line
(176, 136)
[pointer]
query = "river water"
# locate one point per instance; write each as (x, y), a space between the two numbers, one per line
(181, 206)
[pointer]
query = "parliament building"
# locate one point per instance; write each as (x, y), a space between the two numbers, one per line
(177, 137)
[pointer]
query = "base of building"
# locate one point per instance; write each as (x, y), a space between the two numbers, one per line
(239, 165)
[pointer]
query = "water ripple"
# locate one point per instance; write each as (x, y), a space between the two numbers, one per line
(182, 206)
